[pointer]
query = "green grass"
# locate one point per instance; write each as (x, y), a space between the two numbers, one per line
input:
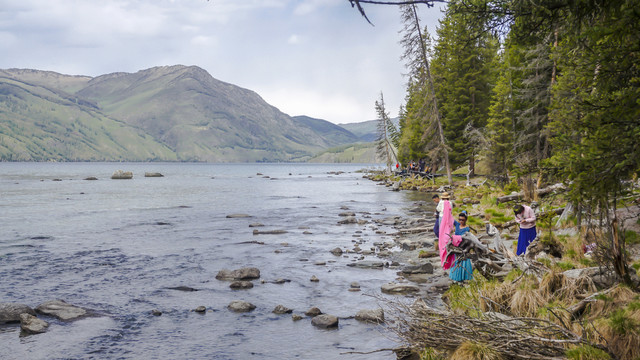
(565, 265)
(631, 237)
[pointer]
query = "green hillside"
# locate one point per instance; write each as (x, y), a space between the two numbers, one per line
(168, 113)
(42, 124)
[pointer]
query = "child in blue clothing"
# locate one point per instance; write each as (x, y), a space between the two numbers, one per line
(461, 270)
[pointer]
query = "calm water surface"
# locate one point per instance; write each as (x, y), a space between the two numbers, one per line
(115, 246)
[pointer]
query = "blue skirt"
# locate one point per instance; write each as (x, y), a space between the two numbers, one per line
(461, 270)
(524, 239)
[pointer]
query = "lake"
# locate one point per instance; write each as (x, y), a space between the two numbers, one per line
(116, 246)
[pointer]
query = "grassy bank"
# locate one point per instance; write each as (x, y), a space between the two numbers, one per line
(548, 313)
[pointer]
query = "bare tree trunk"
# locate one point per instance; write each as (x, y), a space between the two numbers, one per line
(433, 93)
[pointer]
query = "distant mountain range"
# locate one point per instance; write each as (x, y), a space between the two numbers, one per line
(168, 113)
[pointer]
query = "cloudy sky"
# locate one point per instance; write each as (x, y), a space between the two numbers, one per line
(306, 57)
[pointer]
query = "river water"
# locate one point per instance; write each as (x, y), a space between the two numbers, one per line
(116, 246)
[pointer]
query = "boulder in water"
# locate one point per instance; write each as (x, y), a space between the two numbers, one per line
(371, 315)
(281, 309)
(61, 310)
(248, 273)
(325, 321)
(395, 288)
(30, 324)
(122, 175)
(241, 306)
(10, 312)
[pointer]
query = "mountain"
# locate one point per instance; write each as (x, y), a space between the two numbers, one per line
(334, 134)
(366, 131)
(39, 123)
(169, 113)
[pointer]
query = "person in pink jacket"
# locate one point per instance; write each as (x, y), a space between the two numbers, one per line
(526, 218)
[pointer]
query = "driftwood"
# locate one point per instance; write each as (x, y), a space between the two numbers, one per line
(511, 223)
(516, 337)
(539, 193)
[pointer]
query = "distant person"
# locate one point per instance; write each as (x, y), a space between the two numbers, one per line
(421, 164)
(526, 218)
(461, 270)
(436, 226)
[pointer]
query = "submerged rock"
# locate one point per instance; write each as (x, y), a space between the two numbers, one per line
(182, 288)
(281, 309)
(237, 216)
(240, 285)
(200, 309)
(241, 306)
(248, 273)
(30, 324)
(325, 321)
(153, 174)
(337, 251)
(61, 310)
(10, 312)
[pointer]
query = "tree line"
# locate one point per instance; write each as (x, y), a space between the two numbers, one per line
(542, 88)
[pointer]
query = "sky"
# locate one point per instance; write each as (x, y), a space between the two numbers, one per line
(318, 58)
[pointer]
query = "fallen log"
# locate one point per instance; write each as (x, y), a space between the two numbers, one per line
(539, 193)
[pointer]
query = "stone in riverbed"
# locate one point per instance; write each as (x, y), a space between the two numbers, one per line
(348, 220)
(61, 310)
(248, 273)
(200, 309)
(395, 288)
(10, 312)
(314, 278)
(269, 232)
(156, 312)
(241, 285)
(347, 214)
(238, 216)
(256, 225)
(314, 311)
(371, 315)
(325, 321)
(368, 264)
(296, 317)
(337, 251)
(30, 324)
(241, 306)
(426, 268)
(280, 309)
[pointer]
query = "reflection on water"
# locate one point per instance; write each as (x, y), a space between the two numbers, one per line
(116, 246)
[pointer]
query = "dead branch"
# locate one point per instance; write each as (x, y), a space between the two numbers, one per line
(539, 193)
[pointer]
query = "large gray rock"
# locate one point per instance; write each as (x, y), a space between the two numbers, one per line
(426, 268)
(30, 324)
(247, 273)
(61, 310)
(371, 315)
(367, 264)
(395, 288)
(10, 312)
(325, 321)
(241, 306)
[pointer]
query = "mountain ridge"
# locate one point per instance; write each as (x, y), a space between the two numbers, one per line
(181, 113)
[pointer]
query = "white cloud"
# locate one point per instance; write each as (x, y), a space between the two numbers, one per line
(335, 71)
